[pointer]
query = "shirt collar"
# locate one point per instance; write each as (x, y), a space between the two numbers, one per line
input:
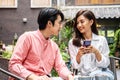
(41, 36)
(95, 37)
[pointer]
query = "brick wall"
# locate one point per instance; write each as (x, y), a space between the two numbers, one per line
(11, 20)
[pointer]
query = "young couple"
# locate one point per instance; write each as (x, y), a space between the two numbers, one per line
(35, 54)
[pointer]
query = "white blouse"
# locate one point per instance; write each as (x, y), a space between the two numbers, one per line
(89, 62)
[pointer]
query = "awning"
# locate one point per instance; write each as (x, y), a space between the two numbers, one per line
(109, 11)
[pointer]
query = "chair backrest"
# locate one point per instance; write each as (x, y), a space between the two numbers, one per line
(112, 65)
(4, 65)
(5, 74)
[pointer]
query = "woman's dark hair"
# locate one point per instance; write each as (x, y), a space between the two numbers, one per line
(48, 14)
(78, 36)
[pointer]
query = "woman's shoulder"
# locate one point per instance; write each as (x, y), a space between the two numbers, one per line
(70, 41)
(98, 37)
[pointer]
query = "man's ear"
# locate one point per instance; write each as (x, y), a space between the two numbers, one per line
(49, 23)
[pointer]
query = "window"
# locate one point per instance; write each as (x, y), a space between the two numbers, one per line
(40, 3)
(101, 32)
(8, 3)
(90, 2)
(110, 33)
(47, 3)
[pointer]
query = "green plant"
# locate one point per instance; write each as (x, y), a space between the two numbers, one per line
(116, 43)
(62, 40)
(6, 54)
(54, 73)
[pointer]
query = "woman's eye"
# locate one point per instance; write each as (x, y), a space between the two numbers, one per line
(82, 21)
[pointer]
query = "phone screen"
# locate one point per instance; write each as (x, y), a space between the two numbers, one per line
(87, 43)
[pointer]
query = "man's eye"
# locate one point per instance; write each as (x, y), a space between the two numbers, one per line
(60, 22)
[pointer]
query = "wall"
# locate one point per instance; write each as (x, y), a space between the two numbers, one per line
(11, 20)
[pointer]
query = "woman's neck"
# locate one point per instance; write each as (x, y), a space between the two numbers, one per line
(87, 36)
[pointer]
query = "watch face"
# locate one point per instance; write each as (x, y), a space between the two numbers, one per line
(86, 43)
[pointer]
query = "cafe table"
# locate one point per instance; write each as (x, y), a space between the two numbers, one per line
(77, 77)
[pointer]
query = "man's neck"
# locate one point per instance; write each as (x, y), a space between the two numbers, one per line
(45, 34)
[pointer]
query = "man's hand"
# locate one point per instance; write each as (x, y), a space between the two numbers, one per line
(35, 77)
(70, 77)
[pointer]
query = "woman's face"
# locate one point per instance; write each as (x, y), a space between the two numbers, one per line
(84, 24)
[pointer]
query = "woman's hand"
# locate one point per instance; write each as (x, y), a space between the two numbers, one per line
(91, 49)
(80, 53)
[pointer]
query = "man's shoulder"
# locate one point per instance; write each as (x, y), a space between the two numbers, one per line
(27, 34)
(53, 43)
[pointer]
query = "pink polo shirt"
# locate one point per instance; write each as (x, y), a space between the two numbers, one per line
(34, 54)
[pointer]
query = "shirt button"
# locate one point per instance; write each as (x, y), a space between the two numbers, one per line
(45, 44)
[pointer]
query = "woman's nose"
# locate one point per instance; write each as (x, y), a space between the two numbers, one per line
(79, 24)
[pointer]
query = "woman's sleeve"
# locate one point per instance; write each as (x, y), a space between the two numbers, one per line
(104, 50)
(73, 53)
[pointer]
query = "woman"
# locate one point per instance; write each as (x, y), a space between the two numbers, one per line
(93, 59)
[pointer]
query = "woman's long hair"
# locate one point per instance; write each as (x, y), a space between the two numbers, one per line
(78, 36)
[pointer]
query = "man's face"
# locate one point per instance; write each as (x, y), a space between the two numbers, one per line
(57, 26)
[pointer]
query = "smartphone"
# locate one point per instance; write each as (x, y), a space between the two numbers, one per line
(87, 43)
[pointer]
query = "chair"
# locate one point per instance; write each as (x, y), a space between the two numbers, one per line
(3, 65)
(4, 72)
(112, 65)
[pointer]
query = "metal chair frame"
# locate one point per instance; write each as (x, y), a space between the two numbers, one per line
(112, 65)
(4, 72)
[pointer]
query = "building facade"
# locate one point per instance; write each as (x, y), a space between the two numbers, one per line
(18, 16)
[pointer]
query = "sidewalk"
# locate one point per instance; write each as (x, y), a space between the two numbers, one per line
(118, 74)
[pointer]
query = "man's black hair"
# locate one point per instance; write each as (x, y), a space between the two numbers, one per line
(48, 14)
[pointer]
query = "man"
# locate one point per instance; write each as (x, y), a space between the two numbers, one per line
(35, 54)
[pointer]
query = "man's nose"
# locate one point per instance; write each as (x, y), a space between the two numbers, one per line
(61, 26)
